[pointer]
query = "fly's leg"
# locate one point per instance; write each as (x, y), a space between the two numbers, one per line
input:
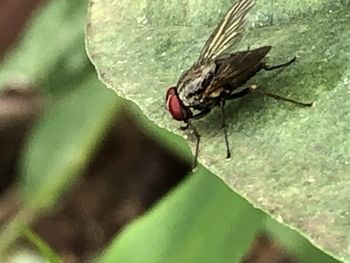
(268, 68)
(254, 89)
(196, 117)
(196, 133)
(198, 138)
(201, 114)
(224, 127)
(275, 96)
(237, 95)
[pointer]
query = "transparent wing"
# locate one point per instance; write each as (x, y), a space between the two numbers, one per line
(228, 32)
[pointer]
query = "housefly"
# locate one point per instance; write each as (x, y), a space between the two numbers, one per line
(218, 75)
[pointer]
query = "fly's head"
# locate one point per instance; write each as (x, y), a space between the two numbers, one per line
(176, 107)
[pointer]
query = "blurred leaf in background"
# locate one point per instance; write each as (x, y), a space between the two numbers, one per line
(52, 56)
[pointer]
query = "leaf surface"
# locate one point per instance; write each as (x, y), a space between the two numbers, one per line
(292, 162)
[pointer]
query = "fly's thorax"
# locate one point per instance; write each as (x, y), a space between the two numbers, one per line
(194, 82)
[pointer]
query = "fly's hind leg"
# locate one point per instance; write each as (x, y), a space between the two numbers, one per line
(254, 89)
(283, 65)
(237, 95)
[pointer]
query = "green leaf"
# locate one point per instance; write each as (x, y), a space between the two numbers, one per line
(45, 250)
(202, 221)
(64, 140)
(201, 213)
(52, 56)
(293, 163)
(53, 39)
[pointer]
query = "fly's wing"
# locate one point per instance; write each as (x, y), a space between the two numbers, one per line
(228, 32)
(237, 69)
(240, 63)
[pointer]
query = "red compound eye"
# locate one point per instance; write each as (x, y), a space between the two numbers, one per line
(174, 105)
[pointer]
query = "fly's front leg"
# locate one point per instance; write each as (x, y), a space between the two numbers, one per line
(196, 117)
(198, 138)
(195, 132)
(268, 68)
(201, 114)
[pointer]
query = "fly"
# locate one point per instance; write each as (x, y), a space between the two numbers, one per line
(218, 75)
